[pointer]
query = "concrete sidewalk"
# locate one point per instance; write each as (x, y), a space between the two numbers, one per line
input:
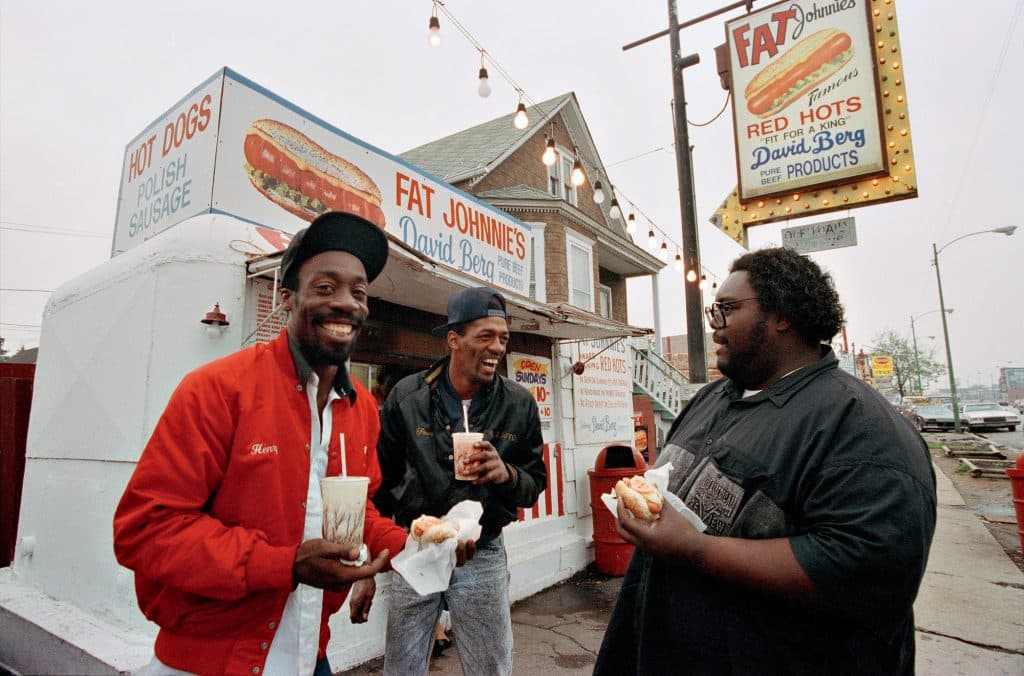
(969, 612)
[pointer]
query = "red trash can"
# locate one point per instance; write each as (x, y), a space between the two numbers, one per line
(1016, 475)
(611, 553)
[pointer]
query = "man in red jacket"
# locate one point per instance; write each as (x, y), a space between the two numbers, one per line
(222, 519)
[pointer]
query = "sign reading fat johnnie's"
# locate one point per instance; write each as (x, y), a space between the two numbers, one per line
(805, 97)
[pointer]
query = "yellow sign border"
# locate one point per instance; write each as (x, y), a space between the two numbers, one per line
(733, 218)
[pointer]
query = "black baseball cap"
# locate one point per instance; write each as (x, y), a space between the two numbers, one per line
(470, 304)
(336, 231)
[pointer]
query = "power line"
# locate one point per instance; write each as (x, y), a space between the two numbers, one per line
(29, 290)
(46, 230)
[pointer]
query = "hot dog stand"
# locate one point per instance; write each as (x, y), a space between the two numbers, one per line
(193, 276)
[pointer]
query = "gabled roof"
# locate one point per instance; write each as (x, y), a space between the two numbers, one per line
(479, 149)
(472, 154)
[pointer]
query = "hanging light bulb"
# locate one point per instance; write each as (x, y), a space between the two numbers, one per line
(663, 254)
(691, 276)
(598, 193)
(578, 177)
(631, 223)
(714, 285)
(549, 156)
(703, 282)
(521, 121)
(484, 90)
(434, 30)
(679, 262)
(615, 212)
(651, 243)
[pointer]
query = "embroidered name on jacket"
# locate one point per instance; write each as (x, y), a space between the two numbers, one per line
(263, 449)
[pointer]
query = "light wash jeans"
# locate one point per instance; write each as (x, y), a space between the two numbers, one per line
(478, 603)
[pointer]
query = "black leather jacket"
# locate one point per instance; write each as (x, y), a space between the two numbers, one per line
(416, 458)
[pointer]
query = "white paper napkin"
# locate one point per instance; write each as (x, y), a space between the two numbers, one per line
(428, 566)
(659, 477)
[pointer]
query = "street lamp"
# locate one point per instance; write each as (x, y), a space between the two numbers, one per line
(913, 333)
(1005, 230)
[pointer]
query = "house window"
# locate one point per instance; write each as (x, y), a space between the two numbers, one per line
(605, 297)
(579, 252)
(560, 176)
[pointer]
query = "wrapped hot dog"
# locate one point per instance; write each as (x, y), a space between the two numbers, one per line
(428, 559)
(642, 498)
(432, 529)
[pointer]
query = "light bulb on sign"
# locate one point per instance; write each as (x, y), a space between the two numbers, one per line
(521, 121)
(549, 156)
(598, 193)
(434, 32)
(615, 211)
(691, 276)
(484, 90)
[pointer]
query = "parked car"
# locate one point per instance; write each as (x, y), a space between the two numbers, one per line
(988, 415)
(933, 418)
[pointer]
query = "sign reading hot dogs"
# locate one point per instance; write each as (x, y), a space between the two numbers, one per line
(233, 147)
(805, 99)
(167, 174)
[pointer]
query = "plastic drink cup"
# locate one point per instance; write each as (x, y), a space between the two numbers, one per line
(344, 509)
(462, 443)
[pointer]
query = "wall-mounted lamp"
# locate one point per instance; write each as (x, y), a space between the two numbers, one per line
(215, 321)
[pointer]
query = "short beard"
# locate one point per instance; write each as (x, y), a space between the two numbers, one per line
(318, 356)
(753, 366)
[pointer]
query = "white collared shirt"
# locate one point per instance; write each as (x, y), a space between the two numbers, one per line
(295, 644)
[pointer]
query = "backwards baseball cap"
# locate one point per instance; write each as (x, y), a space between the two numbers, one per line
(470, 304)
(336, 231)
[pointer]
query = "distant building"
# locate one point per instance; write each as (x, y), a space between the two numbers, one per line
(24, 356)
(675, 351)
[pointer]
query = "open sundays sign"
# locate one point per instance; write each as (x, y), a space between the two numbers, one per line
(232, 147)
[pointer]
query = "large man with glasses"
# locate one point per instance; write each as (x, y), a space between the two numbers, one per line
(819, 501)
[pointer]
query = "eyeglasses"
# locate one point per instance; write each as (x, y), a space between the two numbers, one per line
(718, 310)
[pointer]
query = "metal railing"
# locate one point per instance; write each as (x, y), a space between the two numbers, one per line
(661, 381)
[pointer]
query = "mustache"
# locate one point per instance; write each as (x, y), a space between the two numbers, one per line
(354, 319)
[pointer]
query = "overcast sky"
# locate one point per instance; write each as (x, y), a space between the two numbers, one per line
(79, 80)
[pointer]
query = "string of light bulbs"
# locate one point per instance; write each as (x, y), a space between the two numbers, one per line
(579, 172)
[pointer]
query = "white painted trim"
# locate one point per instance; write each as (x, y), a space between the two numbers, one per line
(603, 289)
(539, 265)
(573, 237)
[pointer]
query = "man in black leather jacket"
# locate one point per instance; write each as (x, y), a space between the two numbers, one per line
(417, 463)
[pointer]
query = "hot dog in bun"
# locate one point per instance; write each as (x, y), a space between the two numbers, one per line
(807, 63)
(640, 496)
(432, 529)
(301, 177)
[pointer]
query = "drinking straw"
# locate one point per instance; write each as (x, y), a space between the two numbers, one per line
(344, 472)
(465, 417)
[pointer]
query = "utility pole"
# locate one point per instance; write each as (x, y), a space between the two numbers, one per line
(684, 169)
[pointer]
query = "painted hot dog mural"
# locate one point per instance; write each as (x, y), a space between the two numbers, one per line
(303, 178)
(808, 62)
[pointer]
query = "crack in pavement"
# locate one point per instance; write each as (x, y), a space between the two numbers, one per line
(554, 629)
(977, 644)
